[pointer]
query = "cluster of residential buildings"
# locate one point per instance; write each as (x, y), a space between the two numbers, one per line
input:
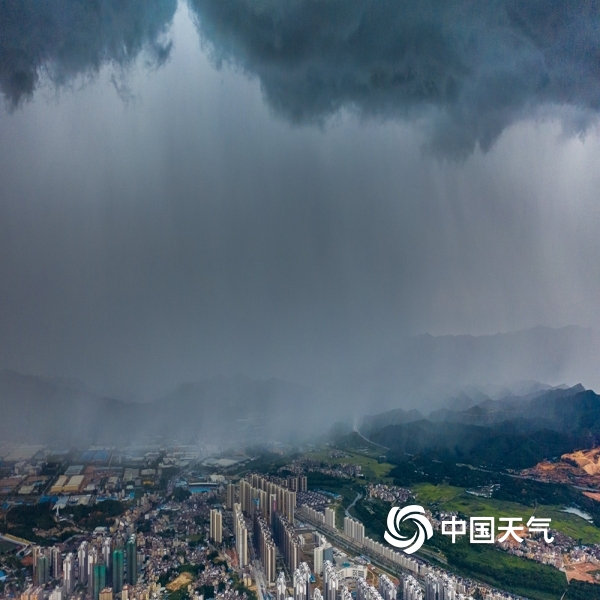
(287, 540)
(270, 502)
(354, 537)
(269, 495)
(335, 586)
(265, 546)
(355, 530)
(422, 581)
(99, 569)
(325, 516)
(301, 582)
(536, 549)
(342, 470)
(257, 518)
(316, 500)
(585, 554)
(439, 585)
(118, 563)
(389, 493)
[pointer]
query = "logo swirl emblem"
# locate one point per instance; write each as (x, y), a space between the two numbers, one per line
(414, 513)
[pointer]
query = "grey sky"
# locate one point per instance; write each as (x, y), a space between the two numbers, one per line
(162, 219)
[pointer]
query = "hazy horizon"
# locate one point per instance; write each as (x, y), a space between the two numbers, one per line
(566, 372)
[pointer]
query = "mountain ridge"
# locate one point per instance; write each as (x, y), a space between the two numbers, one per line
(509, 433)
(47, 410)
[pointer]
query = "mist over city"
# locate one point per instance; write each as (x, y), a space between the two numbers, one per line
(320, 245)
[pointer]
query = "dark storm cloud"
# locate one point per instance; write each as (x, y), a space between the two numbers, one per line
(471, 68)
(66, 38)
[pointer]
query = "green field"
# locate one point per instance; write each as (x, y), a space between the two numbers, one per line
(456, 499)
(427, 493)
(371, 468)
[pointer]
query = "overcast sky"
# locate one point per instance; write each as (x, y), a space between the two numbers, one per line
(279, 189)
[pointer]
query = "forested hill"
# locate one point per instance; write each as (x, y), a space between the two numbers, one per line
(509, 433)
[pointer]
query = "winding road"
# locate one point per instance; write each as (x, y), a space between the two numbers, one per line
(358, 497)
(368, 440)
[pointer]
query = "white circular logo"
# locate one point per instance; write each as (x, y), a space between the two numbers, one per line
(414, 513)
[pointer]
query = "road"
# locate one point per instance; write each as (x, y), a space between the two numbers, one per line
(358, 497)
(261, 586)
(341, 541)
(259, 576)
(370, 442)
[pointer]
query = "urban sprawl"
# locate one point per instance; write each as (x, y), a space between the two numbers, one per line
(229, 535)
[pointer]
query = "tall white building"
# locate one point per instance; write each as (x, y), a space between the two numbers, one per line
(82, 555)
(302, 582)
(440, 586)
(411, 590)
(216, 526)
(330, 517)
(56, 594)
(92, 560)
(313, 514)
(36, 552)
(386, 588)
(305, 570)
(107, 553)
(320, 555)
(245, 496)
(355, 530)
(364, 591)
(69, 573)
(281, 587)
(230, 496)
(241, 535)
(56, 562)
(263, 539)
(331, 582)
(299, 586)
(432, 587)
(289, 504)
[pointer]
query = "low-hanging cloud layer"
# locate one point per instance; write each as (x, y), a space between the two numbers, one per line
(468, 69)
(63, 39)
